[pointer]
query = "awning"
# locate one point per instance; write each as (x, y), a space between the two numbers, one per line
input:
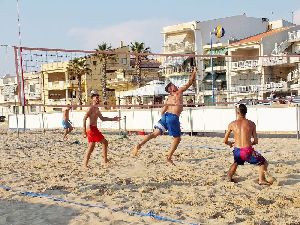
(208, 77)
(220, 51)
(175, 39)
(218, 77)
(221, 77)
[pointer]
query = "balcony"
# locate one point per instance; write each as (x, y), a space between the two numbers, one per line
(57, 85)
(33, 95)
(295, 86)
(273, 61)
(246, 89)
(71, 84)
(257, 88)
(217, 68)
(294, 59)
(179, 48)
(294, 36)
(245, 65)
(61, 101)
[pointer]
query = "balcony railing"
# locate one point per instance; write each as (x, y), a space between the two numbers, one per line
(216, 68)
(245, 65)
(272, 61)
(60, 85)
(179, 48)
(256, 88)
(294, 35)
(33, 95)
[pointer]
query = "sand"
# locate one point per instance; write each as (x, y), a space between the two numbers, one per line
(193, 191)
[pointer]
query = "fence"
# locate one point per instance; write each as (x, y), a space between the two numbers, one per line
(204, 119)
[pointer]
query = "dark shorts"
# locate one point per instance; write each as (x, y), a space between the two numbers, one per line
(169, 122)
(247, 154)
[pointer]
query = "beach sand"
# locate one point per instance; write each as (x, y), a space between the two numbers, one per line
(193, 191)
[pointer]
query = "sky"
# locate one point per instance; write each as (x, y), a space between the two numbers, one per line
(74, 24)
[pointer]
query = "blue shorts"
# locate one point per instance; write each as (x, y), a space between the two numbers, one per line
(66, 124)
(169, 122)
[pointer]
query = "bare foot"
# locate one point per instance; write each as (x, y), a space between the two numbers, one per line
(106, 161)
(85, 167)
(264, 182)
(230, 179)
(136, 150)
(270, 178)
(170, 161)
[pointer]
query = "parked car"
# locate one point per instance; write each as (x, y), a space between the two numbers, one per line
(247, 101)
(296, 100)
(2, 118)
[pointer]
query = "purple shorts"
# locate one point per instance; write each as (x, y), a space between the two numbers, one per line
(247, 154)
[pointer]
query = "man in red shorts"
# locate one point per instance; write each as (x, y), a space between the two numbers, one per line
(91, 131)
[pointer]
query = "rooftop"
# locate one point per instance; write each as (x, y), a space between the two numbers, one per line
(258, 38)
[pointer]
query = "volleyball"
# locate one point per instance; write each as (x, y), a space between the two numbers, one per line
(219, 31)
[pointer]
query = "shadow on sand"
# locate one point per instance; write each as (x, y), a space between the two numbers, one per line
(18, 212)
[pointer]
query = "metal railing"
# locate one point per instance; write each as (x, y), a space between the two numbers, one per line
(245, 65)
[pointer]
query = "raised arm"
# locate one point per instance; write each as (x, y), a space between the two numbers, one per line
(227, 135)
(254, 135)
(190, 82)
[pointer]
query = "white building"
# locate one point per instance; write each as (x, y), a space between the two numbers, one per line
(8, 95)
(9, 99)
(253, 77)
(191, 37)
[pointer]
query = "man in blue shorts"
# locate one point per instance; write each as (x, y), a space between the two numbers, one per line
(169, 117)
(66, 123)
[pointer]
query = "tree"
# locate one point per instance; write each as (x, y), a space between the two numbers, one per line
(76, 69)
(104, 58)
(137, 48)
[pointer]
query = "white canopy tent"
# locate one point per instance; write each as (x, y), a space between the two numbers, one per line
(152, 88)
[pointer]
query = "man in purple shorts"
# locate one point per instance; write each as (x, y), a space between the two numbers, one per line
(243, 130)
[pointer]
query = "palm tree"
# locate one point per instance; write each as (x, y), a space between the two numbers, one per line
(76, 69)
(139, 47)
(104, 58)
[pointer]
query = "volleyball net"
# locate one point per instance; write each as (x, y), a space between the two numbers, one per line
(57, 77)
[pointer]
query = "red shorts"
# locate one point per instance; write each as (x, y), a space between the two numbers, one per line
(94, 135)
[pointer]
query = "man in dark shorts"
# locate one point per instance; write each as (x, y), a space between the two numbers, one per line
(243, 130)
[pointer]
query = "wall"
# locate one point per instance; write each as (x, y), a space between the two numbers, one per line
(268, 43)
(192, 119)
(237, 27)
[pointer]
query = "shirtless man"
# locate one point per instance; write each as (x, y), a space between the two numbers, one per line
(91, 131)
(243, 130)
(169, 118)
(66, 123)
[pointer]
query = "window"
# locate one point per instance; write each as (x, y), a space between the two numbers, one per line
(32, 108)
(16, 109)
(124, 61)
(32, 88)
(57, 109)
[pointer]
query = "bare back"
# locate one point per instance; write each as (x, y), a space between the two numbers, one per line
(243, 130)
(66, 114)
(176, 102)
